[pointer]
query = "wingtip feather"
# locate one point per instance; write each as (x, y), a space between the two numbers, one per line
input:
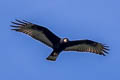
(15, 29)
(14, 26)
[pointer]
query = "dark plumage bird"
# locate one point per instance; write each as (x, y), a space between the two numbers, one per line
(58, 45)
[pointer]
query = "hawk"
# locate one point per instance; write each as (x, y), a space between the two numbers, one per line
(58, 44)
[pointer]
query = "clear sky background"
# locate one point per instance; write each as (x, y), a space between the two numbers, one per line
(23, 58)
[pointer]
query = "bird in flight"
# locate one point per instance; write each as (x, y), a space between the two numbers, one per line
(58, 44)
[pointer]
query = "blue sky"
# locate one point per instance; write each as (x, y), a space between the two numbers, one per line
(23, 58)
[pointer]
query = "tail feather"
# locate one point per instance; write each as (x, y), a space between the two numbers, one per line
(53, 56)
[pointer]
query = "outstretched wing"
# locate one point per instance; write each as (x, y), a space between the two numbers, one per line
(37, 32)
(87, 46)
